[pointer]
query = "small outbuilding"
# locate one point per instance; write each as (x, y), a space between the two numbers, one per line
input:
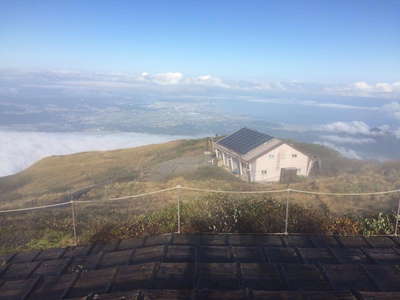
(258, 157)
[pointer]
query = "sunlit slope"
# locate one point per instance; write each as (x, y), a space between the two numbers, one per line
(151, 167)
(50, 178)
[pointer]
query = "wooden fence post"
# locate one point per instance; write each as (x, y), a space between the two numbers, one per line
(178, 196)
(397, 219)
(73, 218)
(287, 212)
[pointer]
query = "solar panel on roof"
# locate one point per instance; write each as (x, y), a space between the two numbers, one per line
(244, 140)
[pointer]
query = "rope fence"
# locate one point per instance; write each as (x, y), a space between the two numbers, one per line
(178, 188)
(36, 207)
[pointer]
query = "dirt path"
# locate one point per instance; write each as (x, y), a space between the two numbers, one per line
(176, 167)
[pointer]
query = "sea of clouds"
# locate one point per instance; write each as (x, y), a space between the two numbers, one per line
(19, 150)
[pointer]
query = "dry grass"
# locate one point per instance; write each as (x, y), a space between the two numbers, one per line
(103, 222)
(128, 171)
(48, 180)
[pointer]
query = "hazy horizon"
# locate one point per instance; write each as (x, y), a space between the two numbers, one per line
(313, 71)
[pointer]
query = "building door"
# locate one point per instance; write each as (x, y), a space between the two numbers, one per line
(288, 175)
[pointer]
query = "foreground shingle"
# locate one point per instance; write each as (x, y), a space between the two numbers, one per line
(209, 266)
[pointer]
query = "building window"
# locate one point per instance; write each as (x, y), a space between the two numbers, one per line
(294, 155)
(264, 172)
(271, 156)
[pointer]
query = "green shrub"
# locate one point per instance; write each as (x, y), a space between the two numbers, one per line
(379, 224)
(50, 239)
(209, 213)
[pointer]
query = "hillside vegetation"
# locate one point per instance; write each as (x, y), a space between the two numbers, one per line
(136, 170)
(52, 178)
(97, 176)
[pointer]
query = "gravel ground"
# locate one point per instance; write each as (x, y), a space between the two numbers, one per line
(177, 166)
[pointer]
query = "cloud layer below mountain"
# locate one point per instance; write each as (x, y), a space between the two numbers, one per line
(21, 149)
(346, 152)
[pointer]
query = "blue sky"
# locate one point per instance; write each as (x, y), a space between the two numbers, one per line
(312, 41)
(331, 67)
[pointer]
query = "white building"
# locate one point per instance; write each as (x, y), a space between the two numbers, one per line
(258, 157)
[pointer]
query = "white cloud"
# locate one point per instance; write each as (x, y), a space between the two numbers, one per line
(392, 109)
(338, 105)
(55, 80)
(397, 133)
(384, 128)
(386, 87)
(354, 127)
(209, 80)
(162, 78)
(361, 85)
(314, 104)
(20, 149)
(175, 78)
(346, 152)
(347, 140)
(92, 83)
(205, 78)
(64, 79)
(362, 88)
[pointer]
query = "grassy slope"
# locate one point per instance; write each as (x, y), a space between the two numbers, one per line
(50, 178)
(129, 171)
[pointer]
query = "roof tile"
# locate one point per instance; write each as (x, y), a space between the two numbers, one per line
(133, 277)
(208, 266)
(98, 281)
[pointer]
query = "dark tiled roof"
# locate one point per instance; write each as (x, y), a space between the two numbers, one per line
(204, 266)
(244, 140)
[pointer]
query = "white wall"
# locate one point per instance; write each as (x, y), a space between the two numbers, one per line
(275, 160)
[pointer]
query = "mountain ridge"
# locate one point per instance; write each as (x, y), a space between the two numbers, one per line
(156, 166)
